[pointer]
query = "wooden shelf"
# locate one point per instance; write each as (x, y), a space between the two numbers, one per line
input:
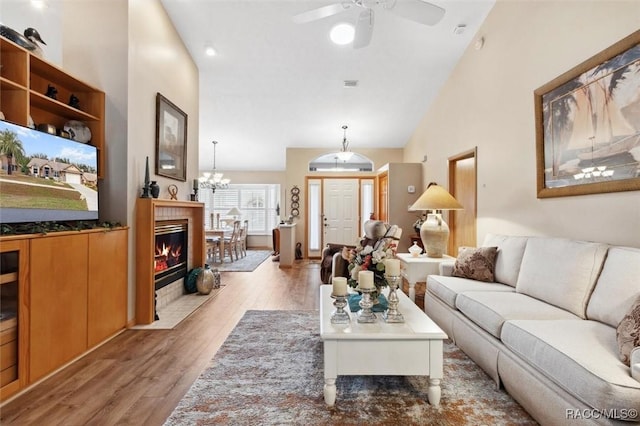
(14, 326)
(24, 79)
(9, 277)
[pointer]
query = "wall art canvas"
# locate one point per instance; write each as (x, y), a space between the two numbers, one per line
(171, 140)
(588, 125)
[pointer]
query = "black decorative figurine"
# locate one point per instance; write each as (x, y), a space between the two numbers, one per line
(146, 187)
(74, 102)
(52, 92)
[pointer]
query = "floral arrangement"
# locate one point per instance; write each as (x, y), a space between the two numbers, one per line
(369, 254)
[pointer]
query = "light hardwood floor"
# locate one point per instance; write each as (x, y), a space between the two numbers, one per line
(139, 377)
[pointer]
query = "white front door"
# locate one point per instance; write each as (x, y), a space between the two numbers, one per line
(340, 211)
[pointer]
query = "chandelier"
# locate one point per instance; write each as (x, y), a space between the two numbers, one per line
(344, 154)
(213, 180)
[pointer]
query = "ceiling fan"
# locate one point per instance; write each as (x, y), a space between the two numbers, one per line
(415, 10)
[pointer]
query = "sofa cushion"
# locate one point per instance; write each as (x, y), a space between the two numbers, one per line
(628, 332)
(510, 252)
(476, 263)
(447, 288)
(490, 310)
(579, 356)
(561, 271)
(620, 276)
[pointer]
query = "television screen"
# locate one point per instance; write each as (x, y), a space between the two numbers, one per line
(45, 177)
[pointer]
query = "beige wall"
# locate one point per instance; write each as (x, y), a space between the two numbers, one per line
(142, 56)
(158, 62)
(298, 168)
(488, 102)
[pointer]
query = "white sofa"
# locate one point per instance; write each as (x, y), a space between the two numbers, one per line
(546, 328)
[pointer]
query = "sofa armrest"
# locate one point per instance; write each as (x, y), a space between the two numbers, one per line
(635, 363)
(446, 267)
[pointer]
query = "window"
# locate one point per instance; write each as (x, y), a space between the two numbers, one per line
(256, 202)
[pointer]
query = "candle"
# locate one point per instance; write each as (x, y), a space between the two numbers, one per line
(392, 267)
(365, 279)
(339, 286)
(195, 184)
(146, 173)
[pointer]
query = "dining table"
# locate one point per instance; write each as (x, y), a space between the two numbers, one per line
(211, 234)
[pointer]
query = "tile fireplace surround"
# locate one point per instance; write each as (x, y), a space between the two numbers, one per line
(148, 212)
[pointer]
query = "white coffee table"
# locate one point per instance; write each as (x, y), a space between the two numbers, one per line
(412, 348)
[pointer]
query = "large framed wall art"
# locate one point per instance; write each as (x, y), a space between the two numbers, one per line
(588, 125)
(171, 140)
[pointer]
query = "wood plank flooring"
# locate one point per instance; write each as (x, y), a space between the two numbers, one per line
(139, 377)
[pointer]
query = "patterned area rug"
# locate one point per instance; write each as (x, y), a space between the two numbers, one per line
(251, 261)
(269, 371)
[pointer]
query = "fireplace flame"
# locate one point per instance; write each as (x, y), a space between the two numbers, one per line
(166, 256)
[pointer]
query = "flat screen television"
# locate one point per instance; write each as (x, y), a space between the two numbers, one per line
(44, 177)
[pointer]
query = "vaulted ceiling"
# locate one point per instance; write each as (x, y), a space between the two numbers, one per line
(275, 84)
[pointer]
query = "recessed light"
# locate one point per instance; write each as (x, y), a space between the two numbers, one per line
(38, 4)
(342, 33)
(210, 51)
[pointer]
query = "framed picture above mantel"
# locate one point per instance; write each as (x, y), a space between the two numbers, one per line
(588, 125)
(171, 140)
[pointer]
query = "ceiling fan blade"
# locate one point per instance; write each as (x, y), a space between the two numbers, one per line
(417, 10)
(364, 29)
(319, 13)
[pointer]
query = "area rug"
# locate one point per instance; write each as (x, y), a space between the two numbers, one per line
(248, 263)
(269, 371)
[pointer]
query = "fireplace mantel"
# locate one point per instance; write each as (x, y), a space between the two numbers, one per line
(148, 211)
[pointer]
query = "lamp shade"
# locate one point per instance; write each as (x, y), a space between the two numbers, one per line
(436, 198)
(234, 212)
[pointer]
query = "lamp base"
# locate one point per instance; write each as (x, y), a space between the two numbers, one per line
(434, 233)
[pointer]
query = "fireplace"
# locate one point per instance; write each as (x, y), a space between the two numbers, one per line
(170, 255)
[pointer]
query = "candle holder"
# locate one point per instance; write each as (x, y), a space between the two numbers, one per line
(340, 316)
(366, 315)
(392, 314)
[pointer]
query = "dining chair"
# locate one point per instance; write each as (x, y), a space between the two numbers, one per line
(213, 248)
(231, 242)
(242, 239)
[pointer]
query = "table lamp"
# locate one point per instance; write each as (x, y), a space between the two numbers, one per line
(235, 212)
(434, 232)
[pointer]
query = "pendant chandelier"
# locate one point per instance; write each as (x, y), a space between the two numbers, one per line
(213, 180)
(344, 154)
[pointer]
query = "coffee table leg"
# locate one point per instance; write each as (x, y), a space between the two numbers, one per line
(330, 391)
(434, 392)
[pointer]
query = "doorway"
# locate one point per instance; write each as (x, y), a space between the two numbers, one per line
(340, 210)
(463, 187)
(337, 208)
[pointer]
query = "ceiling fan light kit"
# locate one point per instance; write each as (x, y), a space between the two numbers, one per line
(342, 33)
(414, 10)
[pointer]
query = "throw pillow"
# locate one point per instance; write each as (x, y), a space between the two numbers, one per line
(628, 332)
(476, 264)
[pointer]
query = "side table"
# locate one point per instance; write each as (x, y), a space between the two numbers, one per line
(416, 269)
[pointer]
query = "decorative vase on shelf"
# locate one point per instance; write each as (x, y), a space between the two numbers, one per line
(415, 250)
(205, 280)
(155, 189)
